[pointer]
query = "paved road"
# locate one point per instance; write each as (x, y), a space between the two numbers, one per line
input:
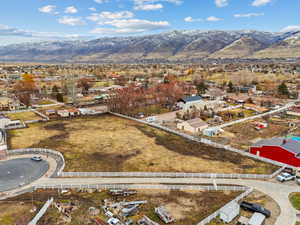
(279, 192)
(19, 172)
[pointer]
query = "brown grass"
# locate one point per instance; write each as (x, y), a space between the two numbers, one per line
(15, 213)
(23, 116)
(109, 143)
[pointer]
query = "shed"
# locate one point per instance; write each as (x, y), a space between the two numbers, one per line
(243, 221)
(229, 212)
(257, 219)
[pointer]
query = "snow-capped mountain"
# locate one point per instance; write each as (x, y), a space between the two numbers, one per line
(171, 46)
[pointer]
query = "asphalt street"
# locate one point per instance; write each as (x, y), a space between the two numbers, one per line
(19, 172)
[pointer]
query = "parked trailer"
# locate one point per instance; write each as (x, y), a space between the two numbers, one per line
(164, 215)
(146, 221)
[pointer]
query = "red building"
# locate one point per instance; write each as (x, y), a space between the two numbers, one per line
(284, 150)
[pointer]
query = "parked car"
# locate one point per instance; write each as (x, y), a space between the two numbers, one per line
(37, 158)
(255, 208)
(285, 177)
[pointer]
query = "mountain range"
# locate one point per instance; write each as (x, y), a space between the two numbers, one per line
(175, 46)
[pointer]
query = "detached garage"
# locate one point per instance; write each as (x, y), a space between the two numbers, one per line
(284, 150)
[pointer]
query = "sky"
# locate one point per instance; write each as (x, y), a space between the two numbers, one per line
(40, 20)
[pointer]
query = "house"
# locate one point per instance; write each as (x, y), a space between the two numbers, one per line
(63, 113)
(229, 212)
(50, 112)
(188, 102)
(284, 150)
(213, 131)
(74, 112)
(294, 111)
(194, 125)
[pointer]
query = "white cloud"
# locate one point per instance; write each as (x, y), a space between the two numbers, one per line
(104, 16)
(101, 1)
(93, 9)
(213, 19)
(248, 15)
(127, 26)
(148, 7)
(291, 28)
(138, 2)
(71, 10)
(6, 31)
(190, 19)
(72, 21)
(221, 3)
(47, 9)
(258, 3)
(152, 4)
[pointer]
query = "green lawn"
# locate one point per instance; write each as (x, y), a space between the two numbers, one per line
(295, 200)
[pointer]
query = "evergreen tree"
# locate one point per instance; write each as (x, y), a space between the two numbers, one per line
(201, 88)
(283, 89)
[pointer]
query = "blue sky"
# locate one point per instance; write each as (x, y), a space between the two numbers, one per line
(35, 20)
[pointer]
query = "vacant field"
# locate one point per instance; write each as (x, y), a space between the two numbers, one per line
(109, 143)
(259, 198)
(23, 116)
(188, 207)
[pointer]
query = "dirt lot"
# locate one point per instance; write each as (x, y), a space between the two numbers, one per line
(188, 207)
(259, 198)
(109, 143)
(23, 116)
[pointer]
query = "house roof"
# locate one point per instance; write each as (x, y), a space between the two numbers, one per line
(197, 122)
(291, 145)
(192, 99)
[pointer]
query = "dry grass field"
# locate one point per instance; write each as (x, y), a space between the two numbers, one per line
(23, 116)
(15, 213)
(109, 143)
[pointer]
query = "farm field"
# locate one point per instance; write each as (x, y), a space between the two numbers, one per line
(187, 207)
(23, 116)
(109, 143)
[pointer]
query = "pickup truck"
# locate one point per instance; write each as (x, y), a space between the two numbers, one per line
(255, 208)
(285, 177)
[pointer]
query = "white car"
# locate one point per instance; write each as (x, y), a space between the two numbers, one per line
(285, 177)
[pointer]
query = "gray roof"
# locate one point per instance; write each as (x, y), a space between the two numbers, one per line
(290, 145)
(197, 122)
(192, 98)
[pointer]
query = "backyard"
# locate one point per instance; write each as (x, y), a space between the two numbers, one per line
(23, 116)
(258, 198)
(243, 135)
(109, 143)
(187, 207)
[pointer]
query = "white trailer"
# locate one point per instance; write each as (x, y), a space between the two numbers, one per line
(229, 212)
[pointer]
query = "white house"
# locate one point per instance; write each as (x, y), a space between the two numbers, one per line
(194, 126)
